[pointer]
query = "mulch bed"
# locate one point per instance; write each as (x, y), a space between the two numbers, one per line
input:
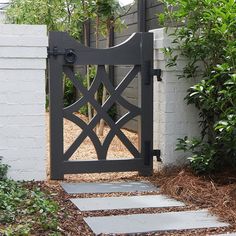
(215, 193)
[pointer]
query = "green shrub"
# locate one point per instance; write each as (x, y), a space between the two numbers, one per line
(206, 33)
(22, 210)
(3, 170)
(70, 93)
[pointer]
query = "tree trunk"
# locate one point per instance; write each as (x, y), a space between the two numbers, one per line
(97, 46)
(104, 91)
(87, 73)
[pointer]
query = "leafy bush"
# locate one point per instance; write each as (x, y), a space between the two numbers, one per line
(22, 210)
(70, 93)
(207, 33)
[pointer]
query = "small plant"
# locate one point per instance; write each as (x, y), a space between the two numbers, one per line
(202, 155)
(23, 210)
(70, 93)
(3, 170)
(19, 230)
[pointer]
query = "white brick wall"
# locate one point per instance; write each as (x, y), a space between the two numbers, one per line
(2, 16)
(172, 117)
(23, 55)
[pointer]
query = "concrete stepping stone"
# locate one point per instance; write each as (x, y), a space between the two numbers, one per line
(75, 188)
(131, 202)
(144, 223)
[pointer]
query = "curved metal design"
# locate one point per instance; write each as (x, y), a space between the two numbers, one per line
(137, 51)
(88, 96)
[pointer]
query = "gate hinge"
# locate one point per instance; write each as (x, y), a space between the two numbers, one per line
(157, 153)
(157, 73)
(69, 54)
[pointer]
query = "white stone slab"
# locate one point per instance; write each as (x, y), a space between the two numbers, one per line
(19, 63)
(23, 52)
(144, 223)
(73, 188)
(131, 202)
(23, 41)
(13, 29)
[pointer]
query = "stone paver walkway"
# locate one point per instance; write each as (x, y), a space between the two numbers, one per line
(137, 223)
(114, 187)
(133, 202)
(144, 223)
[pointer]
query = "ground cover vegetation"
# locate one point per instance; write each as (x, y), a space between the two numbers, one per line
(206, 36)
(25, 210)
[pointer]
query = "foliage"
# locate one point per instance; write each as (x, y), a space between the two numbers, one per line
(22, 210)
(56, 14)
(202, 155)
(109, 13)
(3, 170)
(70, 15)
(70, 93)
(206, 33)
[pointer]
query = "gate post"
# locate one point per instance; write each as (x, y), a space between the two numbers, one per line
(55, 114)
(146, 84)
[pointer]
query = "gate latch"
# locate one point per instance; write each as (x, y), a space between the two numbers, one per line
(157, 153)
(69, 54)
(157, 73)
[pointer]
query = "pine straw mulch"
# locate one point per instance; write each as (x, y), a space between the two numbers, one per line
(215, 193)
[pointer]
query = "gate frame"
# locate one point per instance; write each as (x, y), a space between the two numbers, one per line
(66, 52)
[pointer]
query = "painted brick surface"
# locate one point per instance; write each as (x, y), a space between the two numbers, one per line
(172, 117)
(2, 16)
(22, 100)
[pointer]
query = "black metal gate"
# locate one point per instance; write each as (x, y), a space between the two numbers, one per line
(64, 54)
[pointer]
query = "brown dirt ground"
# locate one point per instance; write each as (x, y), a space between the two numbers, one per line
(217, 193)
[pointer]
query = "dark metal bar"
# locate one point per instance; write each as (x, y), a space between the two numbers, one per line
(146, 72)
(147, 103)
(55, 114)
(142, 15)
(147, 153)
(127, 53)
(76, 167)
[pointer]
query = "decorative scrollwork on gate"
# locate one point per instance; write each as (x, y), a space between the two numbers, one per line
(64, 54)
(101, 112)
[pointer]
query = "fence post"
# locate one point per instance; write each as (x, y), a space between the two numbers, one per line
(22, 100)
(173, 118)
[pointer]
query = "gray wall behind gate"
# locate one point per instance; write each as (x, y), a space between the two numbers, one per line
(153, 7)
